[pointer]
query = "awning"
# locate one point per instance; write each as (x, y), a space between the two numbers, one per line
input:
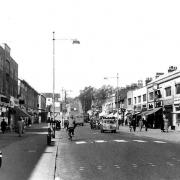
(20, 112)
(110, 115)
(153, 111)
(102, 114)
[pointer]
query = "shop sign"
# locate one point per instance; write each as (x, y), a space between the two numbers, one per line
(168, 102)
(177, 100)
(150, 106)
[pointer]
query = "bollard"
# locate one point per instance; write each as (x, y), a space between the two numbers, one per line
(48, 139)
(0, 159)
(49, 136)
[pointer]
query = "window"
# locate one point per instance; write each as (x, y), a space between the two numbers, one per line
(129, 101)
(144, 97)
(151, 96)
(134, 100)
(139, 99)
(168, 91)
(177, 88)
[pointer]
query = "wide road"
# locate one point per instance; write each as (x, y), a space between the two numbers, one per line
(94, 156)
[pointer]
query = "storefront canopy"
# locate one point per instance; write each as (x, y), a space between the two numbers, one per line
(20, 112)
(110, 115)
(153, 111)
(102, 114)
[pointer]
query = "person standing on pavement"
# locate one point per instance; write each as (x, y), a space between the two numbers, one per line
(3, 126)
(134, 122)
(145, 123)
(140, 124)
(20, 126)
(166, 123)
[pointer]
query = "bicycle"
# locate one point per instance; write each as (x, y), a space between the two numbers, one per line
(70, 132)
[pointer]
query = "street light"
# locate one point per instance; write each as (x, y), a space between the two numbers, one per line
(74, 41)
(117, 77)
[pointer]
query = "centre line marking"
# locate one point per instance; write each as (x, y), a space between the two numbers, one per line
(160, 142)
(121, 140)
(81, 142)
(137, 140)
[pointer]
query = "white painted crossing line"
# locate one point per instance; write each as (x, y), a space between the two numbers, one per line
(120, 140)
(100, 141)
(80, 142)
(137, 140)
(159, 142)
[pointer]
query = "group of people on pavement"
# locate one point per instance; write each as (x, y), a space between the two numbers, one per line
(20, 126)
(133, 123)
(142, 122)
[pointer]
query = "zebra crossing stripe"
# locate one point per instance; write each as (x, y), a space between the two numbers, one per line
(81, 142)
(100, 141)
(121, 140)
(139, 140)
(159, 142)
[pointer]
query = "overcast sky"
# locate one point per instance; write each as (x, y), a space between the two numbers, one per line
(135, 38)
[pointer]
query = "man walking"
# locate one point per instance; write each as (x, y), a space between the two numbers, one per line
(3, 126)
(20, 126)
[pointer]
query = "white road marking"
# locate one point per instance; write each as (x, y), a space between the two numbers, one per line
(159, 142)
(100, 141)
(116, 166)
(81, 142)
(121, 140)
(99, 167)
(170, 164)
(137, 140)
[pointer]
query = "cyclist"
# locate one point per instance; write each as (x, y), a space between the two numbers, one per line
(71, 126)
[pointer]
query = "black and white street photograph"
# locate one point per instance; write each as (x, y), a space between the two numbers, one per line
(90, 90)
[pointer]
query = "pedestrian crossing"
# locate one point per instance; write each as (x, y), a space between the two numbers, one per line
(119, 141)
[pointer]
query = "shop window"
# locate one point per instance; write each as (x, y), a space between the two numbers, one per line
(134, 100)
(151, 96)
(168, 91)
(177, 88)
(144, 97)
(178, 118)
(129, 101)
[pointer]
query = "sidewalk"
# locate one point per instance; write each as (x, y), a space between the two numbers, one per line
(10, 144)
(173, 136)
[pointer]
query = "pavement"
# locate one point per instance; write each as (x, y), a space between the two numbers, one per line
(171, 135)
(14, 148)
(47, 161)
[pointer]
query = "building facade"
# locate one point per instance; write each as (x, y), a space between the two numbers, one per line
(42, 108)
(8, 81)
(28, 99)
(165, 92)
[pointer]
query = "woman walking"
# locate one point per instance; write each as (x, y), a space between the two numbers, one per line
(166, 123)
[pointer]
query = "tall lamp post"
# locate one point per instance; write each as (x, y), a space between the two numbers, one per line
(117, 107)
(74, 41)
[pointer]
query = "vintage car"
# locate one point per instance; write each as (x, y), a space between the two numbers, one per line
(108, 124)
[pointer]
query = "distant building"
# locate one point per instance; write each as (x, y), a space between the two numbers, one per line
(28, 99)
(42, 108)
(8, 81)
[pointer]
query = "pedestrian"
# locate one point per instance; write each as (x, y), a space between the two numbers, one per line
(145, 122)
(166, 123)
(3, 126)
(20, 126)
(140, 124)
(162, 125)
(134, 123)
(130, 123)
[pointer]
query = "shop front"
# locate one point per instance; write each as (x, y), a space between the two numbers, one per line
(168, 108)
(176, 112)
(4, 109)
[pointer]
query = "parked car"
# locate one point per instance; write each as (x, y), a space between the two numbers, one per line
(108, 125)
